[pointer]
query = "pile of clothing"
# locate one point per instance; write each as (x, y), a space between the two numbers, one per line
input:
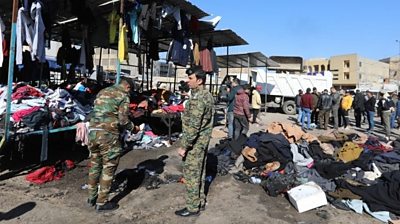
(357, 172)
(34, 109)
(144, 138)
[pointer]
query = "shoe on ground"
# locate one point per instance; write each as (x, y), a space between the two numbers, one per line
(186, 213)
(91, 202)
(107, 207)
(203, 207)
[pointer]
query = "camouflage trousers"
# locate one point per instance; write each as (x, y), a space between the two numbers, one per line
(194, 172)
(106, 150)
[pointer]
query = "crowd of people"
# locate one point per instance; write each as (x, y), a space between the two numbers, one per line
(317, 109)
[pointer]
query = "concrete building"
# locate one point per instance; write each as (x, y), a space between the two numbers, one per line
(316, 65)
(351, 71)
(394, 67)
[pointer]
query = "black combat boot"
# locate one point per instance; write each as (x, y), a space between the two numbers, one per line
(186, 213)
(108, 206)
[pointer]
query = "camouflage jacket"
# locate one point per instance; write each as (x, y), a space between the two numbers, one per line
(197, 119)
(111, 110)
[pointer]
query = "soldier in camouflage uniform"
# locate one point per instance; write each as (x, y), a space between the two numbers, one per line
(197, 123)
(110, 116)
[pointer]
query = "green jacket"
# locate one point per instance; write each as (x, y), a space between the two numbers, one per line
(197, 119)
(111, 110)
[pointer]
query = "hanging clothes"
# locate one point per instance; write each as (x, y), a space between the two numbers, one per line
(24, 33)
(175, 11)
(205, 60)
(82, 57)
(123, 44)
(179, 52)
(38, 46)
(113, 19)
(134, 23)
(196, 54)
(214, 62)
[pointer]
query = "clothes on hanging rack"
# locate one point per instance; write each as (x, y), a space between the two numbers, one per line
(123, 44)
(38, 45)
(133, 15)
(113, 20)
(30, 28)
(179, 52)
(175, 11)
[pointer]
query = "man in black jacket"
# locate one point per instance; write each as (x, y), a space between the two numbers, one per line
(297, 99)
(370, 108)
(358, 105)
(335, 107)
(324, 108)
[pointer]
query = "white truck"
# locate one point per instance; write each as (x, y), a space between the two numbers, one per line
(279, 90)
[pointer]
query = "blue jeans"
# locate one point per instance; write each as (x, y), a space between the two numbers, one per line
(306, 112)
(393, 120)
(299, 114)
(371, 122)
(230, 117)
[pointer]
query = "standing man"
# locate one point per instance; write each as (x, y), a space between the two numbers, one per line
(110, 118)
(197, 123)
(324, 107)
(241, 112)
(358, 105)
(306, 107)
(370, 109)
(387, 110)
(231, 103)
(393, 116)
(297, 99)
(335, 107)
(256, 102)
(314, 114)
(347, 101)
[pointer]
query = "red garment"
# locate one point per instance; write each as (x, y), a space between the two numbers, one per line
(174, 108)
(44, 174)
(307, 101)
(17, 116)
(25, 91)
(5, 49)
(205, 60)
(242, 104)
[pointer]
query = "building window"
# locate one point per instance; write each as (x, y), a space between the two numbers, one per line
(335, 78)
(360, 63)
(322, 68)
(346, 76)
(316, 68)
(359, 76)
(346, 64)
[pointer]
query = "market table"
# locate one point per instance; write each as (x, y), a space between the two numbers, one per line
(168, 119)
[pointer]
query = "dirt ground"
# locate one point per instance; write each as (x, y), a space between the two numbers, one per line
(229, 201)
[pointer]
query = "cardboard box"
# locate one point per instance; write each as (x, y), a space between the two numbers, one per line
(307, 196)
(394, 221)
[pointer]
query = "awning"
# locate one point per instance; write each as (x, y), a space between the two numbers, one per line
(252, 60)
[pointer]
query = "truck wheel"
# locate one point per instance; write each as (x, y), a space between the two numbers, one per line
(289, 107)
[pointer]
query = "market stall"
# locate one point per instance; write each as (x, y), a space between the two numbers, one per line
(144, 28)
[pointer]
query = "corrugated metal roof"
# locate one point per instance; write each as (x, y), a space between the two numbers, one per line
(253, 60)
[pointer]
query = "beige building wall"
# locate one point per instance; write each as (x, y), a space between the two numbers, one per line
(372, 73)
(316, 65)
(345, 70)
(394, 67)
